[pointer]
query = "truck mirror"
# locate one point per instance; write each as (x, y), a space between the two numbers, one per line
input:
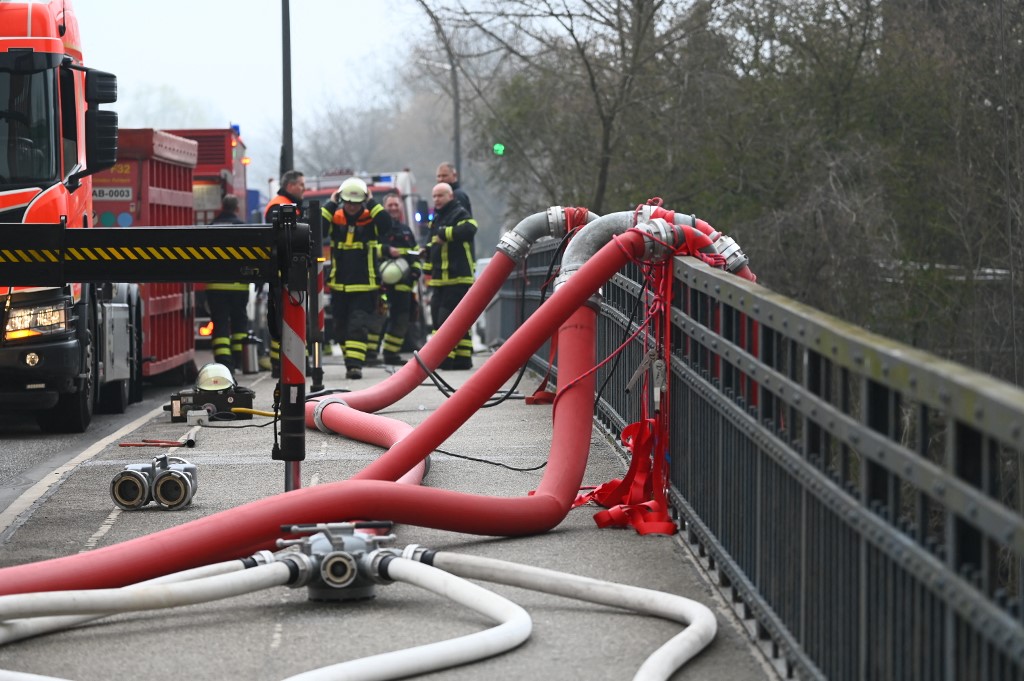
(100, 87)
(100, 140)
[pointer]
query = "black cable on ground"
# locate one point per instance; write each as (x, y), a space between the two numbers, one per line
(493, 463)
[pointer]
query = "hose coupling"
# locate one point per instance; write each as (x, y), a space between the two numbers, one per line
(318, 411)
(302, 567)
(514, 245)
(337, 555)
(645, 213)
(661, 239)
(374, 564)
(263, 557)
(567, 271)
(735, 258)
(338, 569)
(556, 221)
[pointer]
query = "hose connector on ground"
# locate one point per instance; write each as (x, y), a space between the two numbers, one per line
(337, 555)
(302, 567)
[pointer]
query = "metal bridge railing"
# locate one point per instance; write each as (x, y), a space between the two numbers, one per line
(860, 498)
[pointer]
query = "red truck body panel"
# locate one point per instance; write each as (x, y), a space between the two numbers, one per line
(151, 185)
(220, 170)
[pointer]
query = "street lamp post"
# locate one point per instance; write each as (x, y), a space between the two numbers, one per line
(287, 160)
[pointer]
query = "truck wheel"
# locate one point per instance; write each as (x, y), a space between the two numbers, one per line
(114, 397)
(73, 412)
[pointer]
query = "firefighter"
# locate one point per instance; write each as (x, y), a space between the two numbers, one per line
(446, 172)
(400, 295)
(293, 187)
(451, 265)
(227, 302)
(358, 227)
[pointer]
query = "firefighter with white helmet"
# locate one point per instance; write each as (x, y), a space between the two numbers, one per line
(358, 228)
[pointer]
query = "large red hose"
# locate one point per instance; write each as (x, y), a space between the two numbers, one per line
(403, 381)
(242, 530)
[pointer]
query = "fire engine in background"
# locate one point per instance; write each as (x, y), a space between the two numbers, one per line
(220, 170)
(151, 185)
(64, 350)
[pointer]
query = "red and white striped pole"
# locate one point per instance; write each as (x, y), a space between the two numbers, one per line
(294, 248)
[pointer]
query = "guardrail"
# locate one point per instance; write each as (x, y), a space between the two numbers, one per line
(858, 498)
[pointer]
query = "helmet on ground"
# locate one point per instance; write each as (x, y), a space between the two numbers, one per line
(353, 189)
(392, 271)
(214, 377)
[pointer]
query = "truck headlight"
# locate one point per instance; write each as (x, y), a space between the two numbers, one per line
(26, 322)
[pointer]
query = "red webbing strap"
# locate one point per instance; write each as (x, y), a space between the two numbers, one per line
(628, 501)
(658, 520)
(633, 487)
(575, 217)
(638, 499)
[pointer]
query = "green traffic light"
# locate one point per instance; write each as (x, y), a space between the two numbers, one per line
(499, 149)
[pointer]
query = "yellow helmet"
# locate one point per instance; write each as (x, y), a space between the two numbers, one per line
(353, 189)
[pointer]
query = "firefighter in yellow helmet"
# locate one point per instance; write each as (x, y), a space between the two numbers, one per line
(358, 227)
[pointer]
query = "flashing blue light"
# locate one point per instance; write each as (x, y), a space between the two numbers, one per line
(419, 216)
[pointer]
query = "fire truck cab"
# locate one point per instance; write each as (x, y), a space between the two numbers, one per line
(63, 349)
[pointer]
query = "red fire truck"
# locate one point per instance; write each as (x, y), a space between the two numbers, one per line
(220, 170)
(151, 185)
(64, 350)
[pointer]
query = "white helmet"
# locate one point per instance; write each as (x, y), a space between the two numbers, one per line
(392, 270)
(353, 189)
(214, 377)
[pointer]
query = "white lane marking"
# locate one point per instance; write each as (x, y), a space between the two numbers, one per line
(91, 543)
(33, 494)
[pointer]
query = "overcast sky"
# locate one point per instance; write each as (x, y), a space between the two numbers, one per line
(219, 61)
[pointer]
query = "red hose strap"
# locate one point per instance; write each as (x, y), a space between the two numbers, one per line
(629, 500)
(575, 217)
(665, 214)
(542, 395)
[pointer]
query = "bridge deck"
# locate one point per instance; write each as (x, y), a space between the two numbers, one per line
(277, 633)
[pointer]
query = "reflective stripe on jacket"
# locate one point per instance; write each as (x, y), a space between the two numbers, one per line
(356, 246)
(452, 259)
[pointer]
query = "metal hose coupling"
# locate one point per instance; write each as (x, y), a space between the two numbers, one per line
(516, 242)
(556, 222)
(338, 556)
(318, 412)
(661, 239)
(735, 258)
